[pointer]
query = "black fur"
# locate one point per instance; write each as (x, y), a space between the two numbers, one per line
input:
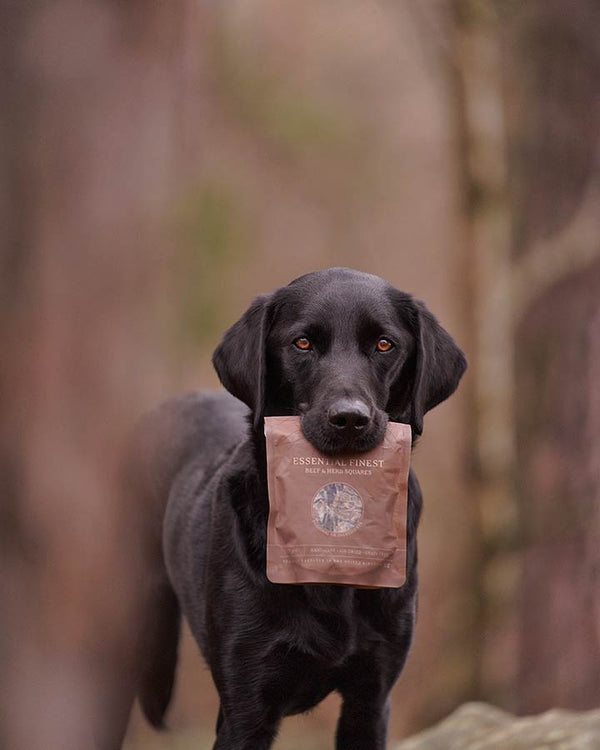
(274, 649)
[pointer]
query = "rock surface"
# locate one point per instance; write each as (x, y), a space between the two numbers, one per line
(477, 726)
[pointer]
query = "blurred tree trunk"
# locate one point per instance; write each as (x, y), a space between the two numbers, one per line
(559, 476)
(552, 55)
(87, 141)
(475, 67)
(527, 83)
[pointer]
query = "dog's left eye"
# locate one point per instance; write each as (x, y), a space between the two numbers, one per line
(302, 343)
(384, 345)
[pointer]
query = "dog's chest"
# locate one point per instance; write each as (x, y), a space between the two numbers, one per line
(327, 624)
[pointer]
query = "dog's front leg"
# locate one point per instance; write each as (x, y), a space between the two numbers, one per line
(245, 727)
(363, 724)
(365, 686)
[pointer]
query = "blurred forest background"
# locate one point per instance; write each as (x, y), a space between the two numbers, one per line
(163, 163)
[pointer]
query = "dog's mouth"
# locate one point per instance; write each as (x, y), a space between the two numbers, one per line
(335, 433)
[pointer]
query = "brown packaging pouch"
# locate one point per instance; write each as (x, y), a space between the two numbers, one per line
(336, 519)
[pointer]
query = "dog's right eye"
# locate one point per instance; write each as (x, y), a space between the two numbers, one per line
(384, 345)
(302, 343)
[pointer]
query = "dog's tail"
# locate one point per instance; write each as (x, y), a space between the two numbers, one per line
(149, 466)
(164, 441)
(157, 672)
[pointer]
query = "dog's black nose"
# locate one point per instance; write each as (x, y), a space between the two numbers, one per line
(349, 414)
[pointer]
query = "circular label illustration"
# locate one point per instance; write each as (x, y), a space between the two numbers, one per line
(337, 509)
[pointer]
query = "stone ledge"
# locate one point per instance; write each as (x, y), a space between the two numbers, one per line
(478, 726)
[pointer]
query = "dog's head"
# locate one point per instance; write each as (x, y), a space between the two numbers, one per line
(344, 350)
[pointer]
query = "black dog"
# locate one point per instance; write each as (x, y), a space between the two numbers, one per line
(345, 351)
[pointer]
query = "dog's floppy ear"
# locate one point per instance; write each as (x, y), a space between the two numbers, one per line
(240, 359)
(438, 362)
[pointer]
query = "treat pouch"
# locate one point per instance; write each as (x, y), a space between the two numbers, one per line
(336, 518)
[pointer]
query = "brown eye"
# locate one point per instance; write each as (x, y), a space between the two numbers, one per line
(302, 343)
(384, 345)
